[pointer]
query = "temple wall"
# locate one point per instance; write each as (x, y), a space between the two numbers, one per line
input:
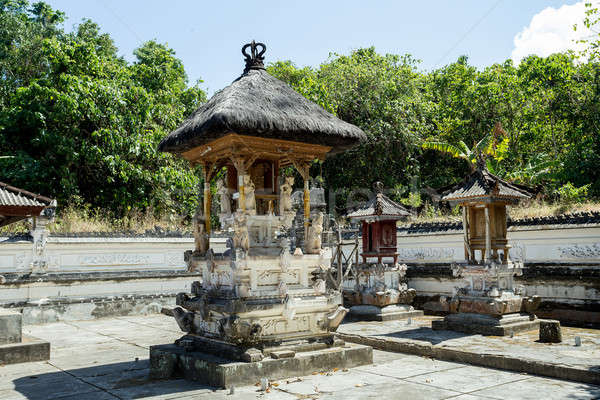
(96, 276)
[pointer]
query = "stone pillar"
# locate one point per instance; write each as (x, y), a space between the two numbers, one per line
(466, 233)
(241, 191)
(488, 234)
(306, 208)
(40, 233)
(207, 206)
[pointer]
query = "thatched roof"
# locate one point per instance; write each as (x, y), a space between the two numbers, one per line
(17, 204)
(482, 184)
(379, 207)
(258, 104)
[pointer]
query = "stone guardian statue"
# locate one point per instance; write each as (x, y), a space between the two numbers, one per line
(201, 239)
(285, 195)
(313, 242)
(250, 200)
(223, 192)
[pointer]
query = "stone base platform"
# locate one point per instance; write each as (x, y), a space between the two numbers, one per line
(29, 349)
(504, 325)
(169, 360)
(521, 353)
(388, 313)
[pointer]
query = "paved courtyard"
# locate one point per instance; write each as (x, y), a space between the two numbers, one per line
(108, 359)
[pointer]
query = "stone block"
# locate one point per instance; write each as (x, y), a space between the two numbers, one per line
(282, 354)
(174, 361)
(482, 324)
(550, 331)
(10, 326)
(388, 313)
(30, 349)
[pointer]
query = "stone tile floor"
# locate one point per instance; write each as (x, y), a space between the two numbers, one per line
(108, 359)
(522, 346)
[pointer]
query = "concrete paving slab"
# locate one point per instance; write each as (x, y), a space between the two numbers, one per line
(521, 353)
(330, 382)
(171, 389)
(401, 390)
(536, 388)
(467, 379)
(59, 385)
(107, 370)
(408, 367)
(27, 369)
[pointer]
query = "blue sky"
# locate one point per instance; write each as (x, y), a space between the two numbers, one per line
(208, 36)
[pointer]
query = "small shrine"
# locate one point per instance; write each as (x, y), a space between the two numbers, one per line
(18, 204)
(263, 300)
(491, 303)
(378, 290)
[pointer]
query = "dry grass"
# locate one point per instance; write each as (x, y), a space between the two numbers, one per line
(82, 219)
(543, 209)
(526, 210)
(77, 220)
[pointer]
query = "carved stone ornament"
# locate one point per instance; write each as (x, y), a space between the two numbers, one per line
(224, 197)
(240, 232)
(285, 196)
(201, 239)
(313, 242)
(250, 200)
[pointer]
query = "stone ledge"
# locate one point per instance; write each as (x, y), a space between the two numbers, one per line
(374, 313)
(30, 349)
(517, 364)
(169, 360)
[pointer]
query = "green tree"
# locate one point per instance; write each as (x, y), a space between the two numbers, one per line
(84, 123)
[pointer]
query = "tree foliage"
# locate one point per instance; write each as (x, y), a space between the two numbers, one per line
(83, 123)
(548, 108)
(79, 122)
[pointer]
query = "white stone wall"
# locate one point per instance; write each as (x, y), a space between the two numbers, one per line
(82, 255)
(529, 244)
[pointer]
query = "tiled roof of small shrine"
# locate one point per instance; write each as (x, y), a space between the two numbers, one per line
(15, 197)
(380, 206)
(17, 204)
(481, 184)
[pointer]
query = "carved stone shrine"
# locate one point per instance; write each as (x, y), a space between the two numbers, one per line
(377, 289)
(491, 303)
(262, 300)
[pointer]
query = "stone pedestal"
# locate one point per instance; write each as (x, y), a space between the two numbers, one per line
(502, 325)
(258, 311)
(15, 348)
(490, 304)
(378, 292)
(10, 326)
(550, 331)
(168, 361)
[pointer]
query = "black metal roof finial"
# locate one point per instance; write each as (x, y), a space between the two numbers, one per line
(255, 59)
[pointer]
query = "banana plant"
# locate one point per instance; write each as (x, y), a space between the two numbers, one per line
(489, 146)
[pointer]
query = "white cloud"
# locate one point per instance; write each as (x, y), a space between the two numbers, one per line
(551, 31)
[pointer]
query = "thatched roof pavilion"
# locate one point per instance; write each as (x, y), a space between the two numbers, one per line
(260, 105)
(255, 126)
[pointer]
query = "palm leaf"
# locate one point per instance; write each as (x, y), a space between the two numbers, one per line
(454, 151)
(484, 145)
